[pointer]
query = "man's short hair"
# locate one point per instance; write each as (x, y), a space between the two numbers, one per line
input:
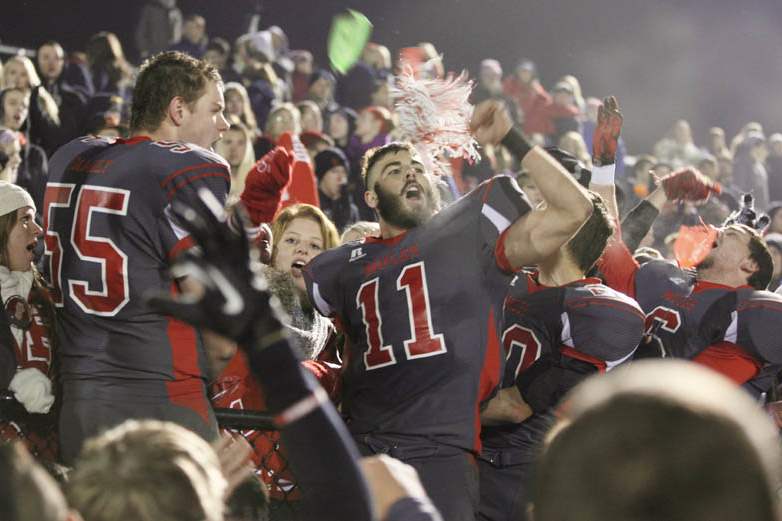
(758, 252)
(147, 471)
(659, 440)
(588, 243)
(162, 78)
(373, 155)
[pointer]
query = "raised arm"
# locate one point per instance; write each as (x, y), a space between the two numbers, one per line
(235, 304)
(265, 183)
(605, 142)
(685, 184)
(541, 232)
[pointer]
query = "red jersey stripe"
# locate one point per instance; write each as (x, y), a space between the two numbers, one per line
(170, 177)
(490, 374)
(189, 180)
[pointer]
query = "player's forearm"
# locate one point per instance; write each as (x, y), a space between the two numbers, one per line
(506, 407)
(608, 193)
(319, 448)
(543, 231)
(559, 189)
(637, 223)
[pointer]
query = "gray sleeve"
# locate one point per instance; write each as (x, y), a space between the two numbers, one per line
(637, 224)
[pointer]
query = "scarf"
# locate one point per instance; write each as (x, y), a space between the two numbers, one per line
(310, 329)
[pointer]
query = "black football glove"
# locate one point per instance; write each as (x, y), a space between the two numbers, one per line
(748, 216)
(235, 301)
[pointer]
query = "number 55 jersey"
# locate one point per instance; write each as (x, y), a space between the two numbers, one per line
(422, 313)
(108, 240)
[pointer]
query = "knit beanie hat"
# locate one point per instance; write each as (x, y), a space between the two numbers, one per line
(328, 159)
(13, 197)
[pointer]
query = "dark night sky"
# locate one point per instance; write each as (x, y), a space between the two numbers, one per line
(712, 62)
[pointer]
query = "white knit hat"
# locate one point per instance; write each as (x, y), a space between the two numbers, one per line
(13, 197)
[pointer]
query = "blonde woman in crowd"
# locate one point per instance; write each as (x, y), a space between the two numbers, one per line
(237, 103)
(578, 97)
(284, 117)
(311, 116)
(236, 147)
(19, 72)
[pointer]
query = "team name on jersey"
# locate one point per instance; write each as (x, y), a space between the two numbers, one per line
(87, 166)
(400, 257)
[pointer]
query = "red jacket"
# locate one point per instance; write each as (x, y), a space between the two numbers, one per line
(532, 99)
(237, 388)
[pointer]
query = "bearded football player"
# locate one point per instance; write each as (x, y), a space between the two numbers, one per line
(421, 305)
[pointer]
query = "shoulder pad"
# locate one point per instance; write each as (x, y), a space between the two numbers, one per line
(601, 322)
(759, 318)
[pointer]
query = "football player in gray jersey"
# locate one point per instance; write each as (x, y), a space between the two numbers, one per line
(109, 237)
(421, 304)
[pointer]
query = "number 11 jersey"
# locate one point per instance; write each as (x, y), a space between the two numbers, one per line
(421, 313)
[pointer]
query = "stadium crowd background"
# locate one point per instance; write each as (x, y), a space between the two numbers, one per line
(69, 87)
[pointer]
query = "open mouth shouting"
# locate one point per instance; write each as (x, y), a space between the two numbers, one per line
(413, 191)
(296, 267)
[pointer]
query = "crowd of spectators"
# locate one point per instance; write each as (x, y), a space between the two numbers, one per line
(271, 89)
(285, 111)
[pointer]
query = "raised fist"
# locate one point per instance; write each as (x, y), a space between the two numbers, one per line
(490, 122)
(606, 136)
(264, 184)
(688, 184)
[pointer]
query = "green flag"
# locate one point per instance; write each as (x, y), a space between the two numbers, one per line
(349, 34)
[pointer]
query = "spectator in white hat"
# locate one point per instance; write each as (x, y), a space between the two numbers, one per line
(27, 314)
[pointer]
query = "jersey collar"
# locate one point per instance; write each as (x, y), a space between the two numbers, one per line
(135, 140)
(388, 242)
(534, 284)
(703, 285)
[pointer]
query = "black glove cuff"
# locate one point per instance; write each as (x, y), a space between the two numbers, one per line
(515, 141)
